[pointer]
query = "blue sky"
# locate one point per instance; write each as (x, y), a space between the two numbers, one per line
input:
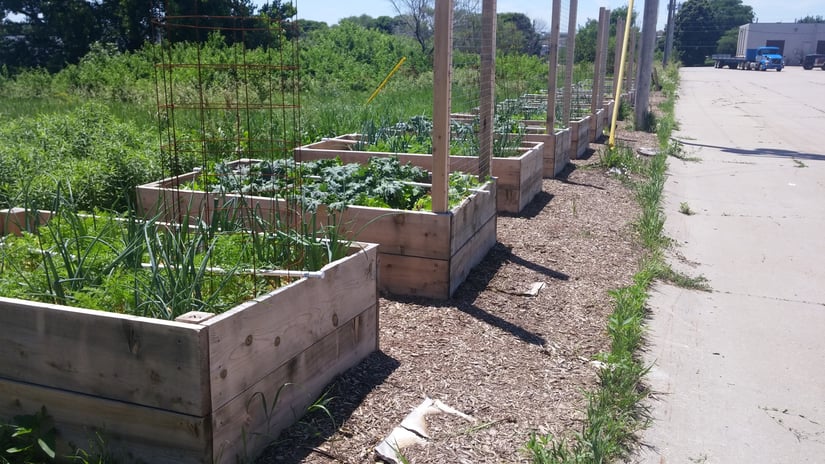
(767, 11)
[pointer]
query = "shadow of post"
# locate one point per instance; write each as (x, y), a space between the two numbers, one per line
(774, 152)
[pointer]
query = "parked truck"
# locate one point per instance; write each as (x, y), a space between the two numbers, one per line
(761, 58)
(814, 61)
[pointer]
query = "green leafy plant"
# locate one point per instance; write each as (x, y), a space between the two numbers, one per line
(147, 268)
(383, 182)
(28, 439)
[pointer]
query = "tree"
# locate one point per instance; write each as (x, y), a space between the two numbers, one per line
(811, 20)
(700, 24)
(385, 24)
(586, 38)
(517, 34)
(417, 17)
(128, 23)
(729, 14)
(51, 34)
(727, 43)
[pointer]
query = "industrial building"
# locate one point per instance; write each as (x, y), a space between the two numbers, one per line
(795, 40)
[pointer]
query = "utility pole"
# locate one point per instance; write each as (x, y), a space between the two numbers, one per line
(671, 10)
(646, 62)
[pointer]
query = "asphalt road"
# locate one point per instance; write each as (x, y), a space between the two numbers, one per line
(739, 372)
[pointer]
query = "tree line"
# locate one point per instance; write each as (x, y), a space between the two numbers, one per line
(55, 33)
(51, 34)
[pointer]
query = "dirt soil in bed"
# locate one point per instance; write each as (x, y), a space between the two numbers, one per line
(516, 363)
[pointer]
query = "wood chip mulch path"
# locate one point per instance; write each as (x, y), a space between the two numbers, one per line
(516, 363)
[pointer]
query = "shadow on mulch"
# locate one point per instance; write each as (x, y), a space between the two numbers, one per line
(478, 281)
(533, 208)
(586, 155)
(348, 390)
(352, 387)
(564, 178)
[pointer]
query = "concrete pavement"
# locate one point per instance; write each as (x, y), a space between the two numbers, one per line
(739, 372)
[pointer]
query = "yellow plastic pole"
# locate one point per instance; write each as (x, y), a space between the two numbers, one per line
(386, 79)
(612, 139)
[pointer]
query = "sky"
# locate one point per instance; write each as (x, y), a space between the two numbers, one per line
(766, 11)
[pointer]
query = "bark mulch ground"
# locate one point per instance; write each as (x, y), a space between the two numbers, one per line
(516, 363)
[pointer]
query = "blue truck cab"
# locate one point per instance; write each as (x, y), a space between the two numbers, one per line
(764, 58)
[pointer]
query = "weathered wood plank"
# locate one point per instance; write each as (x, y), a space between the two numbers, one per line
(562, 158)
(579, 137)
(156, 363)
(416, 233)
(411, 275)
(597, 124)
(475, 212)
(472, 253)
(16, 220)
(413, 233)
(250, 341)
(130, 433)
(301, 381)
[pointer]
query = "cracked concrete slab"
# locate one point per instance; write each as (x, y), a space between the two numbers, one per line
(739, 372)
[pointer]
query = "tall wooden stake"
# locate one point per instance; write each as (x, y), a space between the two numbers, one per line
(631, 62)
(442, 78)
(488, 86)
(617, 56)
(596, 96)
(553, 74)
(571, 55)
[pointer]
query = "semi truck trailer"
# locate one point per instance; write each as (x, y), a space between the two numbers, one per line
(761, 58)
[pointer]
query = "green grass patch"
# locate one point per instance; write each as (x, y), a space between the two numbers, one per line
(615, 411)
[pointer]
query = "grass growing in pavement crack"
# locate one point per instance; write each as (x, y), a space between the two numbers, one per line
(615, 410)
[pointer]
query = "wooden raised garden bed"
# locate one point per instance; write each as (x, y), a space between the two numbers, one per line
(608, 114)
(580, 136)
(597, 124)
(518, 178)
(190, 390)
(556, 146)
(420, 254)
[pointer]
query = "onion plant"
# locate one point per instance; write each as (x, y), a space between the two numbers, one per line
(149, 268)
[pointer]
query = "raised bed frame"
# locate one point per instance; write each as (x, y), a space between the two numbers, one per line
(191, 390)
(556, 146)
(580, 136)
(420, 254)
(518, 178)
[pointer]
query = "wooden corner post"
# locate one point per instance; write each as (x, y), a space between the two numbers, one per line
(553, 74)
(488, 86)
(598, 66)
(570, 47)
(442, 78)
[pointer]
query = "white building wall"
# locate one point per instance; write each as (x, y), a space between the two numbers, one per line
(799, 39)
